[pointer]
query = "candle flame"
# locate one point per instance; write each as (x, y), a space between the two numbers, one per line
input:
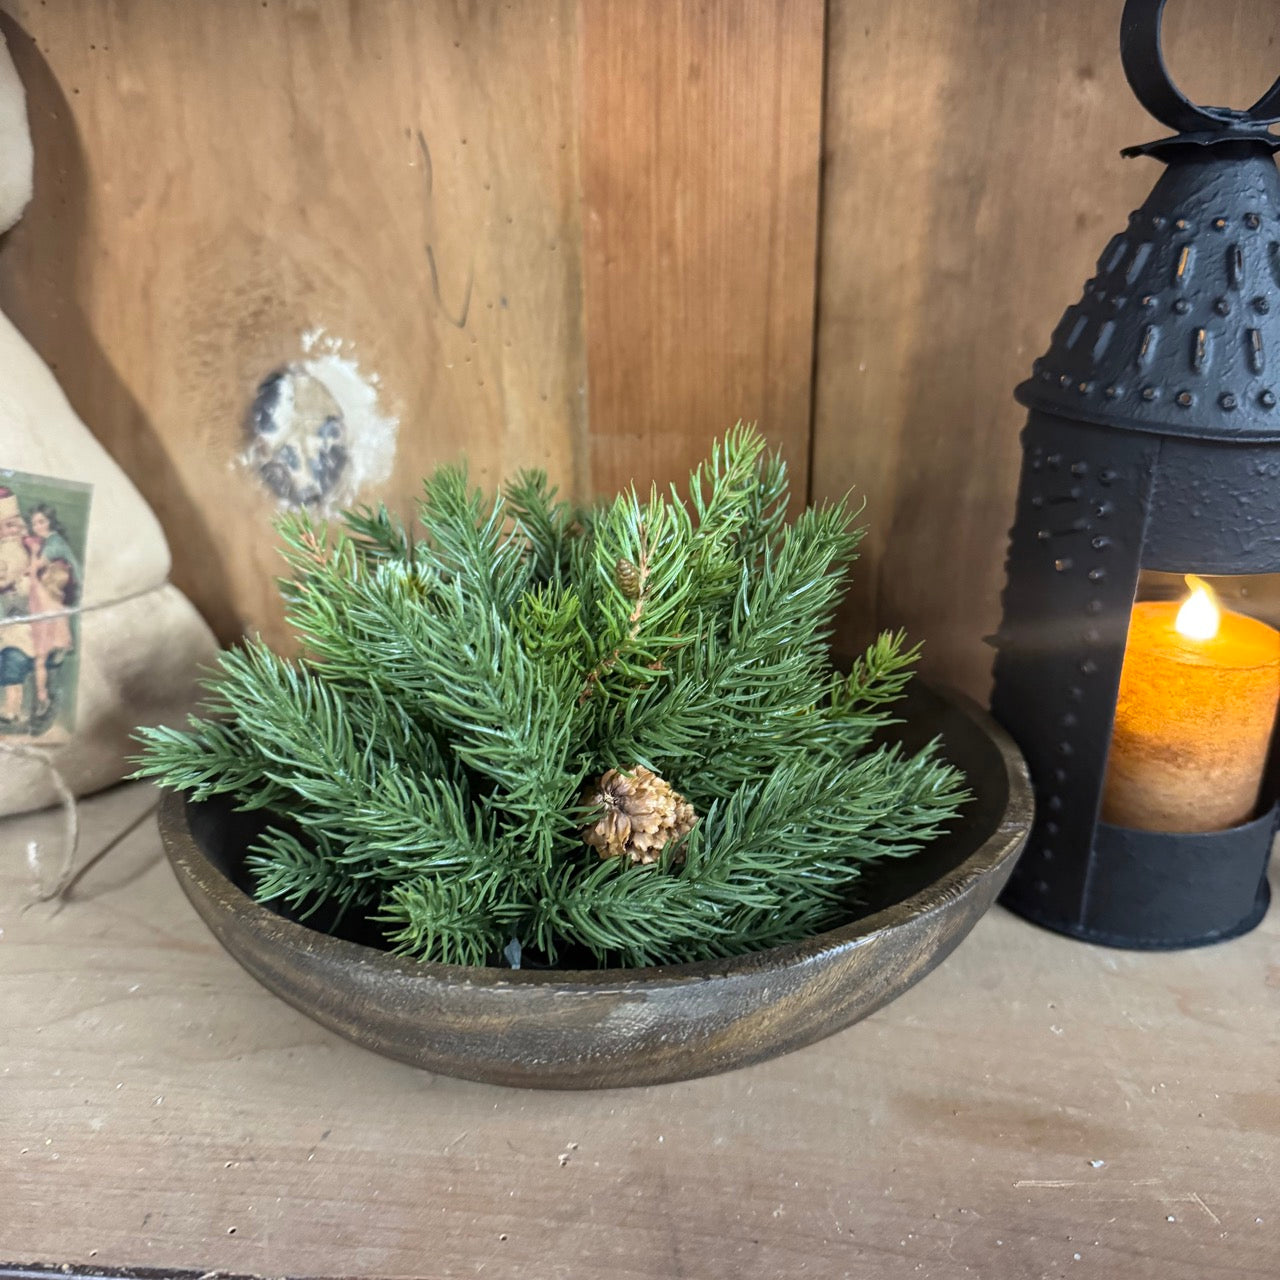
(1199, 616)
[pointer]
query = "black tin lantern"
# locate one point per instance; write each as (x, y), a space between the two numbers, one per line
(1152, 443)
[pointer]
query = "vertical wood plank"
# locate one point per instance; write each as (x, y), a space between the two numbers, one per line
(972, 177)
(214, 181)
(700, 150)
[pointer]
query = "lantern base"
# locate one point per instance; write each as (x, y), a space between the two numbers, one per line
(1161, 891)
(1124, 942)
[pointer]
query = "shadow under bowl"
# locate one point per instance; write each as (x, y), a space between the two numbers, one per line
(568, 1029)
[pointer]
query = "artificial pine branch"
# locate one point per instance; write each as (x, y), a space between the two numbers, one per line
(429, 760)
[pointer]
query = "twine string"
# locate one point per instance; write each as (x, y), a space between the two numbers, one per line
(43, 756)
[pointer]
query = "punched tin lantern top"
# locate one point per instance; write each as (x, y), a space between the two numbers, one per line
(1178, 333)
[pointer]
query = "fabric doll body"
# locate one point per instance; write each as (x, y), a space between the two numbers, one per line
(92, 644)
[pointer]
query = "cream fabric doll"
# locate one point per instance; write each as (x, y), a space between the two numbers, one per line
(88, 649)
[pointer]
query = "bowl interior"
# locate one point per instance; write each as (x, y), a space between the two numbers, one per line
(965, 737)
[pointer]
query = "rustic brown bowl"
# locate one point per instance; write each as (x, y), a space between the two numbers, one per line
(558, 1029)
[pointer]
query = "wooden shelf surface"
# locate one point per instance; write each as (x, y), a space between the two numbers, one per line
(1036, 1107)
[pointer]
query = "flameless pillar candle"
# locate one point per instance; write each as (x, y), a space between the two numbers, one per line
(1197, 703)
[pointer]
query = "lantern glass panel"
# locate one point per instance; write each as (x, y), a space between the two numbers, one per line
(1254, 594)
(1196, 710)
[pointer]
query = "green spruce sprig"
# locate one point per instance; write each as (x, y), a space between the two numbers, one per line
(427, 760)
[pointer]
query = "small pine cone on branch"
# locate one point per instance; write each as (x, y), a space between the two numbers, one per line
(639, 814)
(627, 576)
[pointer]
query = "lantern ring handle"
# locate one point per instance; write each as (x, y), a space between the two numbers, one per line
(1148, 76)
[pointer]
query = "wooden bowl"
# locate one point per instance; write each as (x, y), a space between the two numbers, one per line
(559, 1029)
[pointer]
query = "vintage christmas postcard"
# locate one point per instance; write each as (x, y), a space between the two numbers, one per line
(44, 525)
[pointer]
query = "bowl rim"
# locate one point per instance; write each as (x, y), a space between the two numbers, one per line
(195, 871)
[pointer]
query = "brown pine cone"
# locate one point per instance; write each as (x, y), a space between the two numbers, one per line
(627, 576)
(639, 814)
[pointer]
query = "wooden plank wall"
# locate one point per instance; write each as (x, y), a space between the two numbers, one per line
(972, 177)
(215, 181)
(700, 147)
(589, 236)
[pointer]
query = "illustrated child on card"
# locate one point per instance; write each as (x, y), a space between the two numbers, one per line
(43, 530)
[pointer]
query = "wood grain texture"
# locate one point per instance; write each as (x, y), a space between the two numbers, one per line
(214, 180)
(157, 1106)
(972, 178)
(700, 146)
